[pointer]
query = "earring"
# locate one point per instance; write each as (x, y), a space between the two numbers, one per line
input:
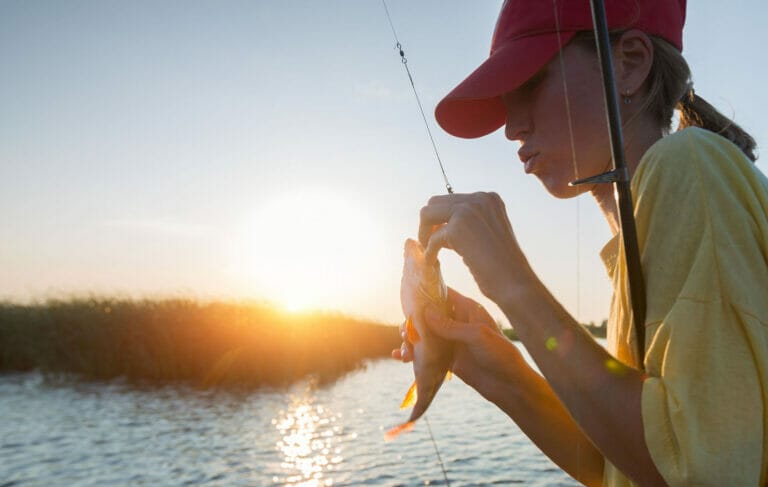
(627, 98)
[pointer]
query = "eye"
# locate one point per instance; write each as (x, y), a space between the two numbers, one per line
(525, 91)
(534, 82)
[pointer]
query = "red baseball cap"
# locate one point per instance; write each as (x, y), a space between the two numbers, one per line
(526, 38)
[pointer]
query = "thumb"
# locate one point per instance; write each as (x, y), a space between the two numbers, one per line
(445, 326)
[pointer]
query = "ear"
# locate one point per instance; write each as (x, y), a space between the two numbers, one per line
(633, 57)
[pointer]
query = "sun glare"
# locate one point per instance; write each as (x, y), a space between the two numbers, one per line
(307, 249)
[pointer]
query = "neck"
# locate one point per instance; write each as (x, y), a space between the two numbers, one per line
(638, 139)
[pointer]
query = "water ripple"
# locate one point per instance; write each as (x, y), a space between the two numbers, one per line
(58, 432)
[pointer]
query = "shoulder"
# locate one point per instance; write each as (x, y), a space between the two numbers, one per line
(693, 146)
(682, 140)
(701, 209)
(693, 155)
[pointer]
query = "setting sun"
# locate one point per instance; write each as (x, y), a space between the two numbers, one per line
(306, 249)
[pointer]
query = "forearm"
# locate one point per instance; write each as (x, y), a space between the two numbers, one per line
(526, 397)
(602, 395)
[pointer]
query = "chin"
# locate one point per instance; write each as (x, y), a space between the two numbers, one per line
(560, 188)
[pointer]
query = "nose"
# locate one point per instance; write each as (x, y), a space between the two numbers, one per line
(518, 120)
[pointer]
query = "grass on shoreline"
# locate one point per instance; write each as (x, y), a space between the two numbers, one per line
(183, 340)
(179, 340)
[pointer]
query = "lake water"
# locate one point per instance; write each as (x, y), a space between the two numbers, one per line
(70, 433)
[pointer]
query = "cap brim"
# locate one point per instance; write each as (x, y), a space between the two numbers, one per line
(474, 108)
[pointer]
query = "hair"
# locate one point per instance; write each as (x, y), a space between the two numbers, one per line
(670, 88)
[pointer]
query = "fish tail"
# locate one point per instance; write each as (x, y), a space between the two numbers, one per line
(395, 432)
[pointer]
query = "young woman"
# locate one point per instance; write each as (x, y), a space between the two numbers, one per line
(698, 413)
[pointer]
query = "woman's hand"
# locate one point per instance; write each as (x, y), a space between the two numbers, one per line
(482, 354)
(492, 365)
(476, 226)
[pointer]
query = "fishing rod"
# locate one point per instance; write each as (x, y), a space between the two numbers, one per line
(448, 188)
(619, 175)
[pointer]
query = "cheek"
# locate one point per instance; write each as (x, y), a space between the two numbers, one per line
(588, 112)
(574, 123)
(591, 138)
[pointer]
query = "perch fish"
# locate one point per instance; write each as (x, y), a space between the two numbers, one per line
(422, 283)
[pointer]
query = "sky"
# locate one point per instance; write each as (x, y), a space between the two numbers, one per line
(273, 149)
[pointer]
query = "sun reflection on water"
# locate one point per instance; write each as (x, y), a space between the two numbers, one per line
(309, 436)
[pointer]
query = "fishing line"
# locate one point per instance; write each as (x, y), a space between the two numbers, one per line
(448, 187)
(576, 178)
(574, 162)
(437, 452)
(403, 59)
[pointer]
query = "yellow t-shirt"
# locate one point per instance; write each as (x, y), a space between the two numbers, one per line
(701, 210)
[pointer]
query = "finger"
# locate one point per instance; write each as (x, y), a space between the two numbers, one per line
(460, 304)
(439, 240)
(431, 218)
(458, 299)
(478, 314)
(406, 348)
(447, 327)
(402, 354)
(467, 309)
(449, 199)
(406, 352)
(440, 208)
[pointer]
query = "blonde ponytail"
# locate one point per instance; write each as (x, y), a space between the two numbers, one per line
(670, 88)
(695, 111)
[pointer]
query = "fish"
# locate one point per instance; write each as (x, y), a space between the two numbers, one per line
(422, 283)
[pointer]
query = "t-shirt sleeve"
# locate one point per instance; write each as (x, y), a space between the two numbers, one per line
(702, 404)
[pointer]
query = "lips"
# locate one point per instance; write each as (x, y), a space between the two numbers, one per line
(528, 158)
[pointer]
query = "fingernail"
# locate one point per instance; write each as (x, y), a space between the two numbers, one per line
(402, 351)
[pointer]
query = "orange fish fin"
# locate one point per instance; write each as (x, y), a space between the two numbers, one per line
(448, 375)
(394, 432)
(410, 397)
(410, 330)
